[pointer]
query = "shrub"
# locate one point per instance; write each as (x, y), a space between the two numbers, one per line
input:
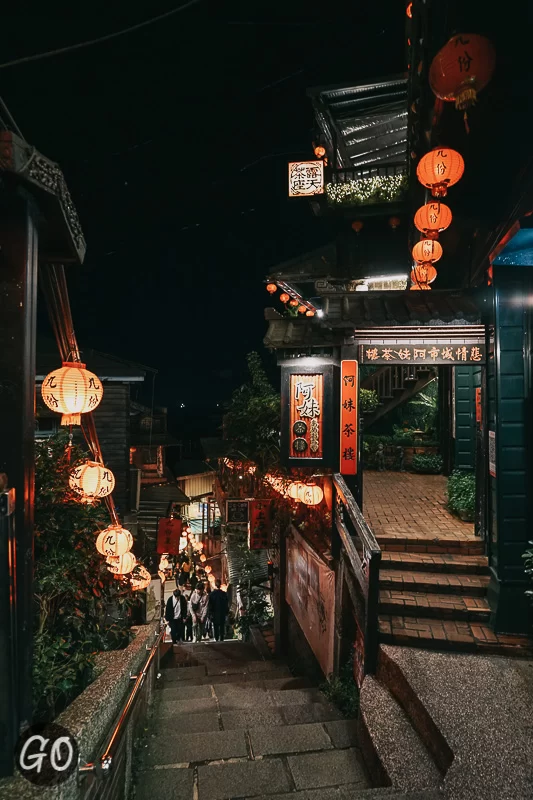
(368, 400)
(461, 492)
(528, 567)
(427, 464)
(343, 691)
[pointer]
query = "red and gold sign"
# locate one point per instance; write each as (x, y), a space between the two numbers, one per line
(306, 416)
(260, 525)
(348, 417)
(478, 405)
(168, 536)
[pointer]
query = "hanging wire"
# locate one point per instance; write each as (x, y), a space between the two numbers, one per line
(11, 118)
(106, 38)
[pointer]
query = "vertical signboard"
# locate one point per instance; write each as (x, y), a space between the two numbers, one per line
(237, 512)
(478, 405)
(492, 454)
(306, 416)
(348, 417)
(260, 524)
(168, 535)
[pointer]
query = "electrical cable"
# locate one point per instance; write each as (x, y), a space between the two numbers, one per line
(106, 38)
(11, 118)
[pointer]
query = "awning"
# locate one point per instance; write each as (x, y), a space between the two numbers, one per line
(165, 493)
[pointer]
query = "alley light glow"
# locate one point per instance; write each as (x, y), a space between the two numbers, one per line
(372, 189)
(319, 313)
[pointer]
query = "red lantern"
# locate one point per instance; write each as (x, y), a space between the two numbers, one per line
(409, 10)
(416, 286)
(462, 68)
(309, 313)
(427, 251)
(271, 288)
(433, 218)
(284, 297)
(320, 151)
(439, 169)
(423, 273)
(302, 309)
(394, 222)
(293, 302)
(357, 225)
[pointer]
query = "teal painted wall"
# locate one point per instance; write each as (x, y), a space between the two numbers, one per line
(465, 381)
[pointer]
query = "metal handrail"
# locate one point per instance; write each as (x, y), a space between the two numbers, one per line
(105, 762)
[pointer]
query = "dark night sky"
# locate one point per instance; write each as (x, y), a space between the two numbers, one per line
(174, 142)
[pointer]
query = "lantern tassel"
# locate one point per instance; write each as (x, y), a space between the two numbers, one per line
(467, 127)
(69, 446)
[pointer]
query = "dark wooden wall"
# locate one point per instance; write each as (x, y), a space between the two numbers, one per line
(112, 420)
(466, 381)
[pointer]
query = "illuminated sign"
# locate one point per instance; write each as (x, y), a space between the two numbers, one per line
(307, 412)
(436, 353)
(306, 178)
(348, 416)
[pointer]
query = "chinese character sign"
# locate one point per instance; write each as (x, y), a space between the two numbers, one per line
(306, 416)
(436, 353)
(260, 524)
(348, 417)
(237, 512)
(306, 178)
(168, 536)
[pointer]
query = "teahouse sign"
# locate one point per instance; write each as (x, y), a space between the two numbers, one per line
(442, 353)
(306, 178)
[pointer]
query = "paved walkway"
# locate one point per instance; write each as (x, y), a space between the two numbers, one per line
(403, 505)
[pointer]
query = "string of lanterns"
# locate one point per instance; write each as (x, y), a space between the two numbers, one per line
(291, 302)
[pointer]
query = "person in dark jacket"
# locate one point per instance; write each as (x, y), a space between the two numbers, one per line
(175, 615)
(218, 610)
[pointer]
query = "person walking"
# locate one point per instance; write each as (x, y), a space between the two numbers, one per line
(218, 610)
(175, 615)
(198, 603)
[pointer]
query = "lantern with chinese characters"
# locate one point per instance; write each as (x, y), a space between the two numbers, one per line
(140, 579)
(114, 541)
(294, 302)
(423, 273)
(92, 481)
(439, 169)
(357, 226)
(294, 490)
(271, 288)
(427, 251)
(462, 68)
(417, 286)
(284, 298)
(302, 309)
(311, 494)
(72, 390)
(432, 219)
(121, 565)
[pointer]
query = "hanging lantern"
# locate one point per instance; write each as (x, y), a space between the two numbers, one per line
(208, 569)
(141, 579)
(302, 309)
(439, 169)
(427, 250)
(394, 222)
(271, 288)
(311, 494)
(72, 390)
(462, 68)
(357, 226)
(203, 558)
(320, 151)
(432, 219)
(114, 541)
(309, 313)
(284, 298)
(92, 481)
(423, 273)
(409, 10)
(294, 490)
(416, 286)
(293, 302)
(489, 275)
(121, 565)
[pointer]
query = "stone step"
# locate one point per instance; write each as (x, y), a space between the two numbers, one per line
(437, 544)
(219, 674)
(394, 753)
(443, 583)
(461, 636)
(437, 606)
(352, 792)
(435, 562)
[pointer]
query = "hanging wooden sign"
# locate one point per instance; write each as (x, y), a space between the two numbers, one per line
(348, 417)
(260, 525)
(237, 512)
(168, 535)
(306, 415)
(478, 405)
(438, 352)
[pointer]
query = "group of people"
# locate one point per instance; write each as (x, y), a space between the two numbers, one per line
(201, 615)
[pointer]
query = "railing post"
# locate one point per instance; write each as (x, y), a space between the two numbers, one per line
(372, 622)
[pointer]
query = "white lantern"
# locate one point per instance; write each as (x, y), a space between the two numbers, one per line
(141, 579)
(121, 565)
(114, 541)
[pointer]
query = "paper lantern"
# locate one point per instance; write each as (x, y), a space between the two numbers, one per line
(72, 390)
(462, 68)
(208, 569)
(409, 10)
(121, 565)
(203, 558)
(284, 298)
(357, 225)
(311, 494)
(423, 273)
(294, 490)
(141, 579)
(92, 481)
(439, 169)
(293, 302)
(114, 541)
(309, 313)
(271, 288)
(302, 309)
(427, 251)
(432, 219)
(394, 222)
(320, 151)
(417, 286)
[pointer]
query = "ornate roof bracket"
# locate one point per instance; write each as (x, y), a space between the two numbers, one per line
(61, 238)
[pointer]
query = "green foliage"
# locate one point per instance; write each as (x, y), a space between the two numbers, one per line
(368, 400)
(73, 588)
(461, 492)
(402, 437)
(421, 412)
(253, 417)
(343, 692)
(528, 568)
(427, 464)
(258, 610)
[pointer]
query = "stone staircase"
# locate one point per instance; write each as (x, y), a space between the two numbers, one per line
(395, 385)
(229, 724)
